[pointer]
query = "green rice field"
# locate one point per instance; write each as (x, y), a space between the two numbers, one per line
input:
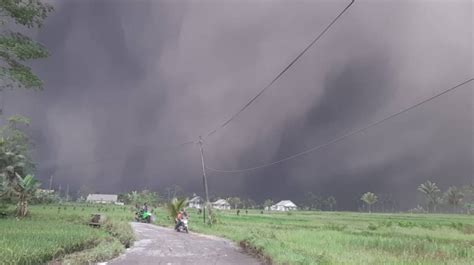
(51, 232)
(281, 238)
(349, 238)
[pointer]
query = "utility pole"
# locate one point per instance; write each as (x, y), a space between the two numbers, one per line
(204, 180)
(51, 182)
(67, 192)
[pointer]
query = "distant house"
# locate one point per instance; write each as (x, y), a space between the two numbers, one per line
(221, 204)
(285, 205)
(102, 198)
(196, 202)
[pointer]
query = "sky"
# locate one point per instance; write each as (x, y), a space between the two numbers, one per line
(128, 81)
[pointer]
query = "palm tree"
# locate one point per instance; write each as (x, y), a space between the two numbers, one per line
(431, 192)
(24, 189)
(453, 196)
(369, 198)
(175, 205)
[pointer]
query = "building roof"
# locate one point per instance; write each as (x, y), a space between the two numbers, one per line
(286, 203)
(196, 199)
(102, 197)
(220, 202)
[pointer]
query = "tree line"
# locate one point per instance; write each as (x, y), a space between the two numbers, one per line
(452, 200)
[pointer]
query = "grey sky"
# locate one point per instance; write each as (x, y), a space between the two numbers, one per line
(128, 78)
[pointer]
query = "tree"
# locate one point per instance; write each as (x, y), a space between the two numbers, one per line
(16, 48)
(431, 192)
(140, 198)
(25, 189)
(235, 202)
(173, 191)
(313, 201)
(453, 197)
(249, 204)
(369, 198)
(175, 205)
(468, 198)
(14, 147)
(267, 204)
(331, 202)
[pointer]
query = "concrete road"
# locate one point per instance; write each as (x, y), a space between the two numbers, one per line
(158, 245)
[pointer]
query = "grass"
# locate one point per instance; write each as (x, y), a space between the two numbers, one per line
(59, 233)
(347, 238)
(52, 232)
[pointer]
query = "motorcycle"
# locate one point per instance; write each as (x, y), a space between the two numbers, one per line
(144, 217)
(183, 226)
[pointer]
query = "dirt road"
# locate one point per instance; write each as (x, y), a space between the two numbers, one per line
(158, 245)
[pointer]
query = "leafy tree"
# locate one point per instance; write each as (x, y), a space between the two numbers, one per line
(331, 202)
(173, 192)
(14, 152)
(140, 198)
(313, 201)
(431, 192)
(235, 202)
(16, 48)
(267, 204)
(24, 190)
(386, 202)
(175, 205)
(453, 197)
(249, 204)
(369, 198)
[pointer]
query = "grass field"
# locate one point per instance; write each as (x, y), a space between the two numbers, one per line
(51, 232)
(295, 238)
(349, 238)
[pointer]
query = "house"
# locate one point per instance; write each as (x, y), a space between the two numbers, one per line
(285, 205)
(221, 204)
(196, 202)
(102, 198)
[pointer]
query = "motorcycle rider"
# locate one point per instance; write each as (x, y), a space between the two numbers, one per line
(179, 218)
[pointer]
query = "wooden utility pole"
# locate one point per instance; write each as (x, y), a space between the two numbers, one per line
(67, 192)
(204, 180)
(51, 182)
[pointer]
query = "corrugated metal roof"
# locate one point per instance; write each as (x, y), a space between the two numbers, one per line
(196, 199)
(221, 202)
(286, 203)
(102, 197)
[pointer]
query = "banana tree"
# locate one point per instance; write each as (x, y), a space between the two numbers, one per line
(24, 190)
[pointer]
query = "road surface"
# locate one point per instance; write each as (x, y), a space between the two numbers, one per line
(158, 245)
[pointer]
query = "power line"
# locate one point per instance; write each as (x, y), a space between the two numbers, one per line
(340, 138)
(282, 72)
